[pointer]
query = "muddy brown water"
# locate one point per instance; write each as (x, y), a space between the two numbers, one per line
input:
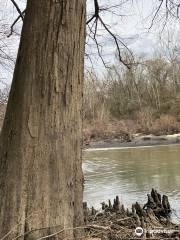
(131, 173)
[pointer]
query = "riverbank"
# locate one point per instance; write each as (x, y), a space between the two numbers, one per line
(137, 140)
(130, 133)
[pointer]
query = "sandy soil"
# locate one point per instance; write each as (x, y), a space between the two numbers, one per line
(137, 140)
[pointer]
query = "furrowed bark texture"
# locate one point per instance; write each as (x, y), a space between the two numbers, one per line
(40, 149)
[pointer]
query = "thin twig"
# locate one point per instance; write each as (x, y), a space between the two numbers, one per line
(60, 231)
(156, 13)
(15, 21)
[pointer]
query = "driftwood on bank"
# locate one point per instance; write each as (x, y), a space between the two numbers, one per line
(115, 222)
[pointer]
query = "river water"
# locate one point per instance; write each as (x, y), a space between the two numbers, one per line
(131, 173)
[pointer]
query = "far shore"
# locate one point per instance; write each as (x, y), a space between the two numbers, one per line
(138, 140)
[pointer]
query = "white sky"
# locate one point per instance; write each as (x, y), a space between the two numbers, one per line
(132, 28)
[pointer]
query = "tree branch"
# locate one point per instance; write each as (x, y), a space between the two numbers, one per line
(171, 8)
(15, 21)
(155, 15)
(18, 9)
(96, 18)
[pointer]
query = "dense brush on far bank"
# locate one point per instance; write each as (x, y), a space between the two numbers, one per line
(124, 130)
(145, 99)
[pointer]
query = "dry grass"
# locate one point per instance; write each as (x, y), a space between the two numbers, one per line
(166, 124)
(100, 130)
(124, 129)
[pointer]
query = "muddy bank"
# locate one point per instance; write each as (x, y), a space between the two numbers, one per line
(135, 141)
(151, 221)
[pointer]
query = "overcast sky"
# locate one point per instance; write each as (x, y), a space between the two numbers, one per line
(133, 28)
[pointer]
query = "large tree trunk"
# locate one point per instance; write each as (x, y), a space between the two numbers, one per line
(40, 149)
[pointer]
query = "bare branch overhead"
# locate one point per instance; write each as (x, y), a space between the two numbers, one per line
(17, 8)
(165, 10)
(93, 22)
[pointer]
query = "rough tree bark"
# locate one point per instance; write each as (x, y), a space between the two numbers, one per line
(40, 149)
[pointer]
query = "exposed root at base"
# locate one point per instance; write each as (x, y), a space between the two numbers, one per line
(114, 222)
